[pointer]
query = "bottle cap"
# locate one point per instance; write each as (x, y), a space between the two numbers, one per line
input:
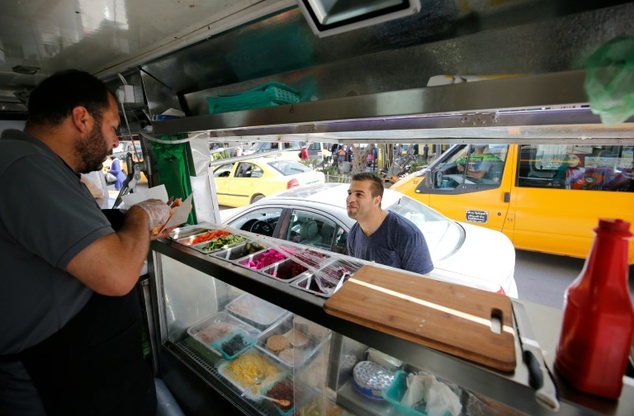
(614, 224)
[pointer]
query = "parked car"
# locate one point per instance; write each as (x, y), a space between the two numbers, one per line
(543, 197)
(285, 150)
(244, 182)
(316, 215)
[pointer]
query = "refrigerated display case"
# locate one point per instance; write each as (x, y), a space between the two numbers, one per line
(228, 335)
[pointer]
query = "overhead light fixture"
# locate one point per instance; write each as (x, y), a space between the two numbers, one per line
(329, 17)
(25, 69)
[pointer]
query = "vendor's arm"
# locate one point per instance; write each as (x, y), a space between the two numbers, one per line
(112, 264)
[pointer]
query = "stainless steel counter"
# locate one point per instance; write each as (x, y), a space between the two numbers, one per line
(511, 390)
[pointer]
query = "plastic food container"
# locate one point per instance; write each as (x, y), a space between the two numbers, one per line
(220, 243)
(285, 389)
(217, 326)
(238, 251)
(262, 259)
(370, 379)
(310, 257)
(325, 281)
(300, 345)
(255, 311)
(285, 271)
(199, 238)
(394, 393)
(234, 344)
(308, 284)
(329, 276)
(250, 366)
(181, 233)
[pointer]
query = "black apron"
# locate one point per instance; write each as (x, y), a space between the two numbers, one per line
(94, 365)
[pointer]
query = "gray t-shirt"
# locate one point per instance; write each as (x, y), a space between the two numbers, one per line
(398, 242)
(47, 216)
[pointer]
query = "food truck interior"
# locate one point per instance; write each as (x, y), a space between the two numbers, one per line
(435, 72)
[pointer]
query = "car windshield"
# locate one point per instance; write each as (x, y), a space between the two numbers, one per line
(443, 236)
(288, 167)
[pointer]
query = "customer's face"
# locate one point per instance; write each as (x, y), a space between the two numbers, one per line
(360, 201)
(102, 138)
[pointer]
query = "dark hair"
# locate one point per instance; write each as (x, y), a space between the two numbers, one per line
(54, 98)
(376, 188)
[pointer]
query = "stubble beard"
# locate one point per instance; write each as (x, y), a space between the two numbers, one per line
(93, 150)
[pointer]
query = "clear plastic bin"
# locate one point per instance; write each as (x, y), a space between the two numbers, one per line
(217, 326)
(238, 251)
(285, 271)
(262, 259)
(227, 242)
(301, 347)
(255, 311)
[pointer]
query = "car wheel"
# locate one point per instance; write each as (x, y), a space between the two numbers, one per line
(256, 198)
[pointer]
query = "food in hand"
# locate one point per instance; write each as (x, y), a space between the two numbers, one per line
(173, 206)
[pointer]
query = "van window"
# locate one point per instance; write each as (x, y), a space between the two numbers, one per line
(592, 168)
(471, 167)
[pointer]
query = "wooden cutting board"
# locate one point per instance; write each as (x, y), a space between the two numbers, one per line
(451, 318)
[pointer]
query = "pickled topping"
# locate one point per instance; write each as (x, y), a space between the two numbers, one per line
(264, 259)
(209, 235)
(251, 248)
(222, 242)
(287, 270)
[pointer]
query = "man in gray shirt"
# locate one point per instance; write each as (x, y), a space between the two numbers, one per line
(69, 312)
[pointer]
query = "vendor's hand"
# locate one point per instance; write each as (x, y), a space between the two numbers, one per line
(164, 233)
(460, 168)
(158, 211)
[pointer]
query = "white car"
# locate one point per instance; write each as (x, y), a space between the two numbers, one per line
(316, 215)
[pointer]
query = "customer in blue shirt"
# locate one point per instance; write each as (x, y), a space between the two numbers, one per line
(118, 173)
(383, 236)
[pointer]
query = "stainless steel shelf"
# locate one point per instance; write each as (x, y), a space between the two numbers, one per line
(549, 106)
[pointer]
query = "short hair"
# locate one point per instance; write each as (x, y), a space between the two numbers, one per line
(376, 188)
(54, 98)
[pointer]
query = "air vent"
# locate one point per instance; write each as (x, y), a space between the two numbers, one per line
(329, 17)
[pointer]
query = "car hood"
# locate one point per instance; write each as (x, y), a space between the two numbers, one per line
(484, 254)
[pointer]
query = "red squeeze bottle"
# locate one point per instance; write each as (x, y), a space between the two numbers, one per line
(598, 325)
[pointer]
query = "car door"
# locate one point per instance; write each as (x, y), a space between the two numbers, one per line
(244, 184)
(222, 178)
(557, 202)
(480, 201)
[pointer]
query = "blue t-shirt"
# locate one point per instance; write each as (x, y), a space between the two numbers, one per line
(397, 243)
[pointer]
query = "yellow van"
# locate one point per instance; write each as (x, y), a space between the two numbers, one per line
(544, 197)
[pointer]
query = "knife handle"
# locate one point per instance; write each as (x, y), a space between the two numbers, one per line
(536, 377)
